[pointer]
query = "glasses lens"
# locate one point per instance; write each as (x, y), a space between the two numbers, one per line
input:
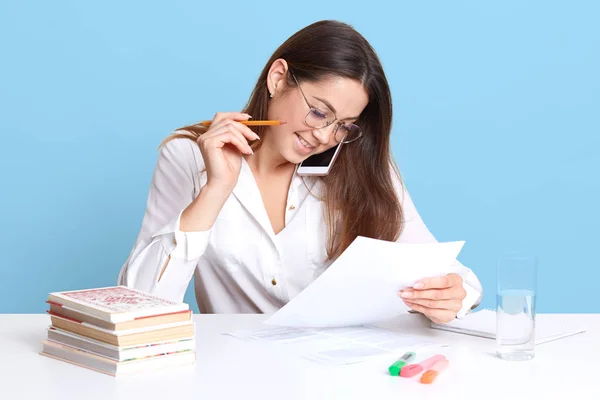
(319, 118)
(348, 133)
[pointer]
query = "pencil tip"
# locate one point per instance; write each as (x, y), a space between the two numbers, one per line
(282, 122)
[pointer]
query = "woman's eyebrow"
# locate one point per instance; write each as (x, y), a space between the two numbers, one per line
(332, 108)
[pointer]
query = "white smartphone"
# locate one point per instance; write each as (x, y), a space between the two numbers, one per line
(319, 164)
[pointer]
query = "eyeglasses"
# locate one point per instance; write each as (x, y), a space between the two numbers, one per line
(324, 117)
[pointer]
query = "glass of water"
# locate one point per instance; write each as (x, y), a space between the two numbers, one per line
(515, 306)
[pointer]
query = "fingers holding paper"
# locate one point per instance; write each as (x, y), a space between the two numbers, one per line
(439, 298)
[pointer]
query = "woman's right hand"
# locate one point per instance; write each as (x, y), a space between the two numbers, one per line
(222, 146)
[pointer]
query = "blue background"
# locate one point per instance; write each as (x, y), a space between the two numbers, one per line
(496, 125)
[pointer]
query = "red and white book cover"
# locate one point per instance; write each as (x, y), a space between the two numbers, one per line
(116, 304)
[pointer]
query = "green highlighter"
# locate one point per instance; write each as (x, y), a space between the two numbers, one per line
(402, 361)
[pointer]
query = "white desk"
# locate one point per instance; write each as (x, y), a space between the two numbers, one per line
(230, 368)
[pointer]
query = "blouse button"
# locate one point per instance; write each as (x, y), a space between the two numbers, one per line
(292, 207)
(273, 282)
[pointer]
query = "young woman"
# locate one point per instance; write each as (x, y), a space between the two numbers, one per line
(227, 205)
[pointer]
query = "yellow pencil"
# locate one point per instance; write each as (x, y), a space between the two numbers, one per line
(250, 123)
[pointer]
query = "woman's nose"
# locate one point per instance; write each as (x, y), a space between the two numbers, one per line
(323, 135)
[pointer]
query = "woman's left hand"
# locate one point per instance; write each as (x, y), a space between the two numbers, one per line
(438, 298)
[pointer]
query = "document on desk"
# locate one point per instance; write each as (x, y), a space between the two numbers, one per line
(361, 286)
(338, 346)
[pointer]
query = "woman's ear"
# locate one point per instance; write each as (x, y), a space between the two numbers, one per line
(276, 76)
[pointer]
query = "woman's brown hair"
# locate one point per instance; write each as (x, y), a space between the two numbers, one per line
(359, 194)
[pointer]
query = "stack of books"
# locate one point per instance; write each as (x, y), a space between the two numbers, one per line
(118, 330)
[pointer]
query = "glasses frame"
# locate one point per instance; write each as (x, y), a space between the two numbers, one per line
(337, 124)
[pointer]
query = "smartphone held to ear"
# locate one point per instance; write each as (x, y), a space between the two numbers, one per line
(319, 164)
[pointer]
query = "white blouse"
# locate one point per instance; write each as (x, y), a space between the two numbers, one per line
(240, 265)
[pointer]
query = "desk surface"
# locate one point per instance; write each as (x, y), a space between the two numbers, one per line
(230, 368)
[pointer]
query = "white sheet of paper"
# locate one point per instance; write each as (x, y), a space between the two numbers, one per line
(337, 346)
(361, 286)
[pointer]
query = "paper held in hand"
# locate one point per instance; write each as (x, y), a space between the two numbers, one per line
(361, 286)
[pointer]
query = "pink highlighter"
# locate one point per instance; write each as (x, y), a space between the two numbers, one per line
(411, 370)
